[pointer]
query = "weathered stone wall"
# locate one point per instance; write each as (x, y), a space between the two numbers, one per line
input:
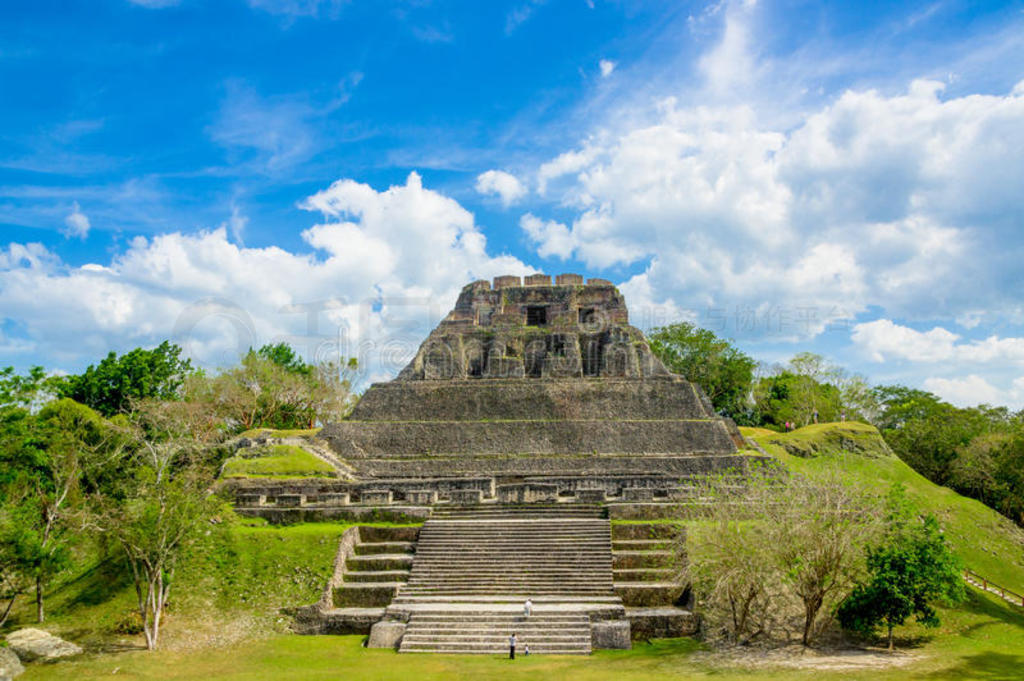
(536, 330)
(671, 469)
(541, 400)
(360, 440)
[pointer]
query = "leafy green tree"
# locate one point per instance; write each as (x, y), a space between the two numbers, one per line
(157, 509)
(910, 569)
(49, 455)
(926, 432)
(115, 382)
(264, 392)
(284, 356)
(698, 355)
(792, 397)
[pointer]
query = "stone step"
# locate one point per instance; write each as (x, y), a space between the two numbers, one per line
(365, 594)
(643, 575)
(379, 562)
(666, 531)
(384, 547)
(376, 576)
(641, 545)
(516, 599)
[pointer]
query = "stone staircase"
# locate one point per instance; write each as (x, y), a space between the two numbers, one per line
(475, 566)
(488, 631)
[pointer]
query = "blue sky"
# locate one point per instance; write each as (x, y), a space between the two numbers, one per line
(839, 177)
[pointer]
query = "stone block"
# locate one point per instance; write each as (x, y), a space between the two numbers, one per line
(594, 281)
(250, 499)
(465, 497)
(648, 623)
(335, 499)
(638, 494)
(364, 594)
(569, 280)
(290, 500)
(537, 280)
(421, 496)
(667, 531)
(590, 496)
(649, 595)
(507, 281)
(377, 533)
(377, 497)
(527, 493)
(386, 635)
(610, 635)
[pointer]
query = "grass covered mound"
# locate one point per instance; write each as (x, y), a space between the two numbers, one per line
(986, 541)
(276, 461)
(826, 439)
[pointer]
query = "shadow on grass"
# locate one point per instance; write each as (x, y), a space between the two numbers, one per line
(1001, 666)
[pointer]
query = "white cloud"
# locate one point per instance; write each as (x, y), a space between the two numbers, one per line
(882, 339)
(606, 66)
(278, 130)
(384, 266)
(76, 223)
(505, 185)
(907, 202)
(968, 391)
(552, 238)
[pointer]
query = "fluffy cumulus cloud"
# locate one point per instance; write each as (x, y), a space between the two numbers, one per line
(606, 66)
(972, 390)
(76, 224)
(880, 200)
(504, 185)
(883, 339)
(382, 267)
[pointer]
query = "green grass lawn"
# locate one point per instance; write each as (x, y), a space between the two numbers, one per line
(278, 461)
(983, 639)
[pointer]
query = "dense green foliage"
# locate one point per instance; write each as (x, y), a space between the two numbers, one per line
(127, 452)
(110, 386)
(697, 354)
(910, 569)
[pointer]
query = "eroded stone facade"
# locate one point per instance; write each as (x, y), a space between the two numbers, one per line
(534, 328)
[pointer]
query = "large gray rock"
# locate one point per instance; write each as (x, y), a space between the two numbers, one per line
(386, 635)
(36, 644)
(10, 665)
(613, 634)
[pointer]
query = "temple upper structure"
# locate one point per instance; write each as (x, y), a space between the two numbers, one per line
(533, 328)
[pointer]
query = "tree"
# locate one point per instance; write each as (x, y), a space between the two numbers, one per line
(110, 386)
(776, 547)
(61, 446)
(910, 569)
(284, 356)
(698, 355)
(157, 510)
(926, 432)
(263, 392)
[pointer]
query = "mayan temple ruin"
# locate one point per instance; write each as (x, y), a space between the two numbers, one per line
(532, 417)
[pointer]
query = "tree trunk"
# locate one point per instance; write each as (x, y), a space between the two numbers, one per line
(3, 620)
(890, 636)
(40, 616)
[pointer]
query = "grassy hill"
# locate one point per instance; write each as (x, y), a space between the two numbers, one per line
(986, 541)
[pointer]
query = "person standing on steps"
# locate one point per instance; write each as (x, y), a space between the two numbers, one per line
(527, 608)
(526, 649)
(512, 646)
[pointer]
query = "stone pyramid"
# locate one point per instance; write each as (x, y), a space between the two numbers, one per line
(534, 385)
